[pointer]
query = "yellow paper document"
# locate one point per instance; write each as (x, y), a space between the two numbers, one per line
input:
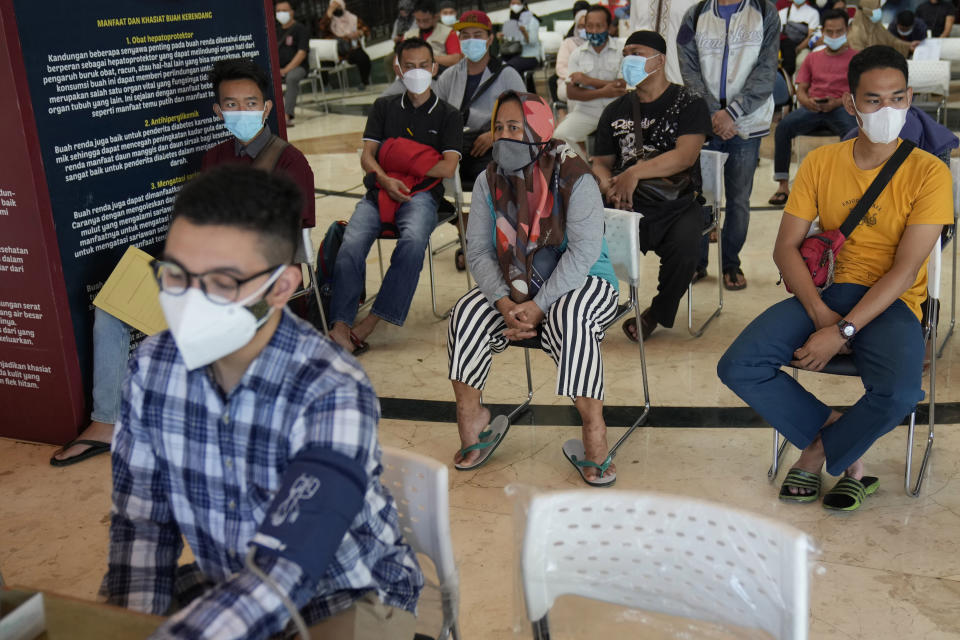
(130, 293)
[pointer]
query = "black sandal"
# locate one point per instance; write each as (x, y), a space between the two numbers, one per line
(779, 199)
(460, 260)
(731, 279)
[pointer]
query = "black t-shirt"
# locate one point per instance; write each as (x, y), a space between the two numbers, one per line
(471, 87)
(434, 123)
(293, 39)
(677, 112)
(935, 15)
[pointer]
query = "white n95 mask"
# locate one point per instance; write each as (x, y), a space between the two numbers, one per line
(417, 80)
(205, 331)
(884, 125)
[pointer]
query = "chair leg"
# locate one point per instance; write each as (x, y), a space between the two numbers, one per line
(433, 283)
(953, 298)
(541, 629)
(458, 201)
(778, 448)
(522, 407)
(908, 467)
(634, 300)
(316, 295)
(696, 333)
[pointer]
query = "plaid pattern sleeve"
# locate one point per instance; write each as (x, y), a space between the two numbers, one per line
(191, 460)
(144, 539)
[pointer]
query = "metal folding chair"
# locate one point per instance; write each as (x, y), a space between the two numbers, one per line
(711, 172)
(950, 237)
(668, 554)
(621, 230)
(306, 257)
(418, 484)
(843, 365)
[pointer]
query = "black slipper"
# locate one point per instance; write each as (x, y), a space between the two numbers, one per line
(359, 346)
(731, 279)
(779, 199)
(96, 447)
(460, 260)
(698, 275)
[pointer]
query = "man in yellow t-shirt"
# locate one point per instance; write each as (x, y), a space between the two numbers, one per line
(873, 307)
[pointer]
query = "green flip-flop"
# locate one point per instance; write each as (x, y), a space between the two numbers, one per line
(490, 439)
(848, 494)
(800, 479)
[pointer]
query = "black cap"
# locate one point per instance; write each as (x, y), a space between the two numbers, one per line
(650, 39)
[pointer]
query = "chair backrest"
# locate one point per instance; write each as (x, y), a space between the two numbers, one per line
(929, 76)
(955, 170)
(418, 484)
(323, 50)
(562, 26)
(711, 174)
(551, 42)
(933, 272)
(622, 232)
(668, 554)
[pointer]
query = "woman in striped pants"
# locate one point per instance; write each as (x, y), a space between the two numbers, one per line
(535, 247)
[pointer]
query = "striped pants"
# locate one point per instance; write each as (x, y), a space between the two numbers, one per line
(571, 333)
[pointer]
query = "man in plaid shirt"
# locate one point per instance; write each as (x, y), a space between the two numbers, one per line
(253, 437)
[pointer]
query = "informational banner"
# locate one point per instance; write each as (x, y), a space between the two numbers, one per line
(114, 107)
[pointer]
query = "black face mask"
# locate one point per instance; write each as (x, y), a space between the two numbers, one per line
(338, 12)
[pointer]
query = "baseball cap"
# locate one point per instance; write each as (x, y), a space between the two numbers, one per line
(474, 19)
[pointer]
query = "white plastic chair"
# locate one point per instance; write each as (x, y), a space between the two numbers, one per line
(711, 174)
(306, 257)
(931, 77)
(667, 554)
(418, 484)
(325, 50)
(622, 233)
(843, 365)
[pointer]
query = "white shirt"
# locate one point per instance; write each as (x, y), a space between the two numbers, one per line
(603, 65)
(804, 13)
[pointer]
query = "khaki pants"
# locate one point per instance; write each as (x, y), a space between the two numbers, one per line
(367, 619)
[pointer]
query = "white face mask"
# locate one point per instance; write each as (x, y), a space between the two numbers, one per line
(205, 331)
(884, 125)
(516, 8)
(283, 17)
(448, 19)
(417, 80)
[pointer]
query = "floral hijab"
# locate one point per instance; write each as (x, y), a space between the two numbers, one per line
(530, 205)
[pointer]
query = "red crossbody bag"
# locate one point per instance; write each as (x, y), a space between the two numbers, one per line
(821, 248)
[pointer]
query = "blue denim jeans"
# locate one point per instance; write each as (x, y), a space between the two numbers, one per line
(738, 173)
(416, 220)
(800, 122)
(888, 353)
(111, 350)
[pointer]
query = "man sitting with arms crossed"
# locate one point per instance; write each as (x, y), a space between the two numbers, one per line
(240, 88)
(673, 127)
(592, 83)
(821, 84)
(874, 304)
(250, 435)
(415, 123)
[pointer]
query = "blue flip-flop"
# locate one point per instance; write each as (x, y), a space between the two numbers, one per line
(489, 441)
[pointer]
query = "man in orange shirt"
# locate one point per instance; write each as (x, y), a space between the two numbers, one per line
(873, 305)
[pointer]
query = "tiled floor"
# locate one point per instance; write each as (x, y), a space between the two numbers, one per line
(891, 570)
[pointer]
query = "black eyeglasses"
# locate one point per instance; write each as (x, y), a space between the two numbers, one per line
(217, 286)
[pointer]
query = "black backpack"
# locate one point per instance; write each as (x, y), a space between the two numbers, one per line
(326, 259)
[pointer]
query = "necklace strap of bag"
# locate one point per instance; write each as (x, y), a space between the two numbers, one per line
(876, 187)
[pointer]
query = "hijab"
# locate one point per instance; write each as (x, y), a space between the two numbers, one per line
(864, 33)
(345, 25)
(530, 205)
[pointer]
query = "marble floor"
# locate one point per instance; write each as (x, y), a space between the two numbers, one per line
(891, 570)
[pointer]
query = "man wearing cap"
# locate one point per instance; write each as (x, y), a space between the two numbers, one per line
(592, 82)
(728, 54)
(472, 87)
(655, 131)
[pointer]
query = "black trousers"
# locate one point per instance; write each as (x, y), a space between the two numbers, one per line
(360, 58)
(679, 252)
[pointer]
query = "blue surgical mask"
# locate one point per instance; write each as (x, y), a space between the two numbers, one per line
(835, 43)
(876, 15)
(798, 2)
(597, 39)
(244, 125)
(634, 70)
(582, 34)
(474, 48)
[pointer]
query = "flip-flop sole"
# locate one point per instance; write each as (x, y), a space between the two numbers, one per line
(574, 452)
(498, 430)
(95, 449)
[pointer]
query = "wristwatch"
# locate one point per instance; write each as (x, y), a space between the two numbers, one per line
(847, 330)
